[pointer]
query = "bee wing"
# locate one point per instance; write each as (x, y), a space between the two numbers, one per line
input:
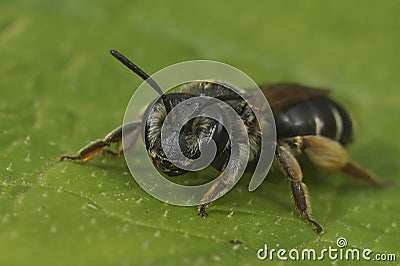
(284, 95)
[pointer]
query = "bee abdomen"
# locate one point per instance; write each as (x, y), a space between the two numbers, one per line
(320, 116)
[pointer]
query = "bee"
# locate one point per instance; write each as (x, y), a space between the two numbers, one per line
(307, 122)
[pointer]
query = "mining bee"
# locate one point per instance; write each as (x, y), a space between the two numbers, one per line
(307, 121)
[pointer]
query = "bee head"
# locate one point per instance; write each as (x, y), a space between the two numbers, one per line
(177, 139)
(195, 134)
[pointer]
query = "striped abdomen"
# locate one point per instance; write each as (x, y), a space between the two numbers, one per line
(320, 116)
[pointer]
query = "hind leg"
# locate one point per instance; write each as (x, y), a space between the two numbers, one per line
(330, 155)
(291, 169)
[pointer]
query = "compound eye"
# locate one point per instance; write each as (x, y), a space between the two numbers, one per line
(215, 132)
(220, 136)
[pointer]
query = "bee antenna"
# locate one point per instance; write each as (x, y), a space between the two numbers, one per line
(138, 71)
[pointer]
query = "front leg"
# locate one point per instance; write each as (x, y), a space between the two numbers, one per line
(216, 189)
(230, 167)
(291, 169)
(96, 147)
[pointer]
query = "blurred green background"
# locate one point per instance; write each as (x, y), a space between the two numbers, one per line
(60, 89)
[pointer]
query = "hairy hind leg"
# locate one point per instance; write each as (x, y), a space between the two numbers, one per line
(331, 155)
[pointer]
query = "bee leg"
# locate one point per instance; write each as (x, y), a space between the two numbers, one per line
(331, 155)
(291, 169)
(212, 193)
(94, 148)
(201, 210)
(87, 152)
(132, 132)
(218, 188)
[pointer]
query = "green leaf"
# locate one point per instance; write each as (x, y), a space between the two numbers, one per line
(60, 89)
